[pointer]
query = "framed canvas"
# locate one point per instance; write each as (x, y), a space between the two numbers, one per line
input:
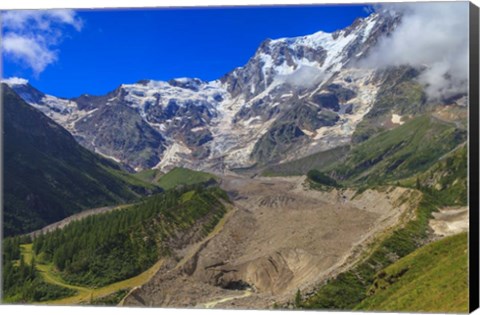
(318, 157)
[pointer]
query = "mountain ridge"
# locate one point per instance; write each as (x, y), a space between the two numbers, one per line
(294, 97)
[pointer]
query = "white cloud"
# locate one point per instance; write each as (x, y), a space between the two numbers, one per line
(431, 35)
(31, 37)
(304, 76)
(29, 50)
(41, 19)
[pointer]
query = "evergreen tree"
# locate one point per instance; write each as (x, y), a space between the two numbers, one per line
(298, 299)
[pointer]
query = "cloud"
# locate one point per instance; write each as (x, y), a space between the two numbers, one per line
(29, 50)
(304, 77)
(433, 36)
(31, 37)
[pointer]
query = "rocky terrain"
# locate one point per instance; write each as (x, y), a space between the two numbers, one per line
(302, 95)
(280, 236)
(450, 221)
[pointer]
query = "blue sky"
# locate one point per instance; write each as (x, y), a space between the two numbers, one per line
(95, 51)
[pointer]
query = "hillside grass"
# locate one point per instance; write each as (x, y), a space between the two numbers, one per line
(184, 176)
(399, 153)
(149, 175)
(318, 161)
(400, 93)
(132, 179)
(433, 278)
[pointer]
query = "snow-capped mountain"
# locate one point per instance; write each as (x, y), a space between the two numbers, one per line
(294, 97)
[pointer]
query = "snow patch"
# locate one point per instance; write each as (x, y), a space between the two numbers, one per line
(108, 156)
(198, 129)
(139, 96)
(174, 156)
(371, 21)
(334, 136)
(308, 132)
(14, 81)
(397, 119)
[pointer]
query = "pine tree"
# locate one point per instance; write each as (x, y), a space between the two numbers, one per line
(298, 299)
(32, 271)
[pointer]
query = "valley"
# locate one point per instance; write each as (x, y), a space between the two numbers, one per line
(279, 237)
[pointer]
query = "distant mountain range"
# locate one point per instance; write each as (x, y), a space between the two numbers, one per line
(294, 97)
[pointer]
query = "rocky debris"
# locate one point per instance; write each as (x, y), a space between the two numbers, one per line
(450, 221)
(279, 238)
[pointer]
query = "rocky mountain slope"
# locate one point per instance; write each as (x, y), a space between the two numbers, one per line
(294, 97)
(255, 114)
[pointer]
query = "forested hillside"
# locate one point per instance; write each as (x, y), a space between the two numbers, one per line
(49, 176)
(110, 247)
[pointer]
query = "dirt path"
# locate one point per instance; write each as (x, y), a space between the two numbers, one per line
(214, 303)
(280, 238)
(85, 294)
(195, 248)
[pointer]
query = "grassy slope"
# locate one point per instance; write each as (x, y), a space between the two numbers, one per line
(149, 175)
(442, 180)
(48, 176)
(183, 176)
(318, 161)
(434, 278)
(40, 289)
(399, 153)
(399, 93)
(446, 179)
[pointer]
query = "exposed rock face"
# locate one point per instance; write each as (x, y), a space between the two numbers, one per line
(117, 131)
(295, 96)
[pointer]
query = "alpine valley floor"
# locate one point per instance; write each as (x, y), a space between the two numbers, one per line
(279, 237)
